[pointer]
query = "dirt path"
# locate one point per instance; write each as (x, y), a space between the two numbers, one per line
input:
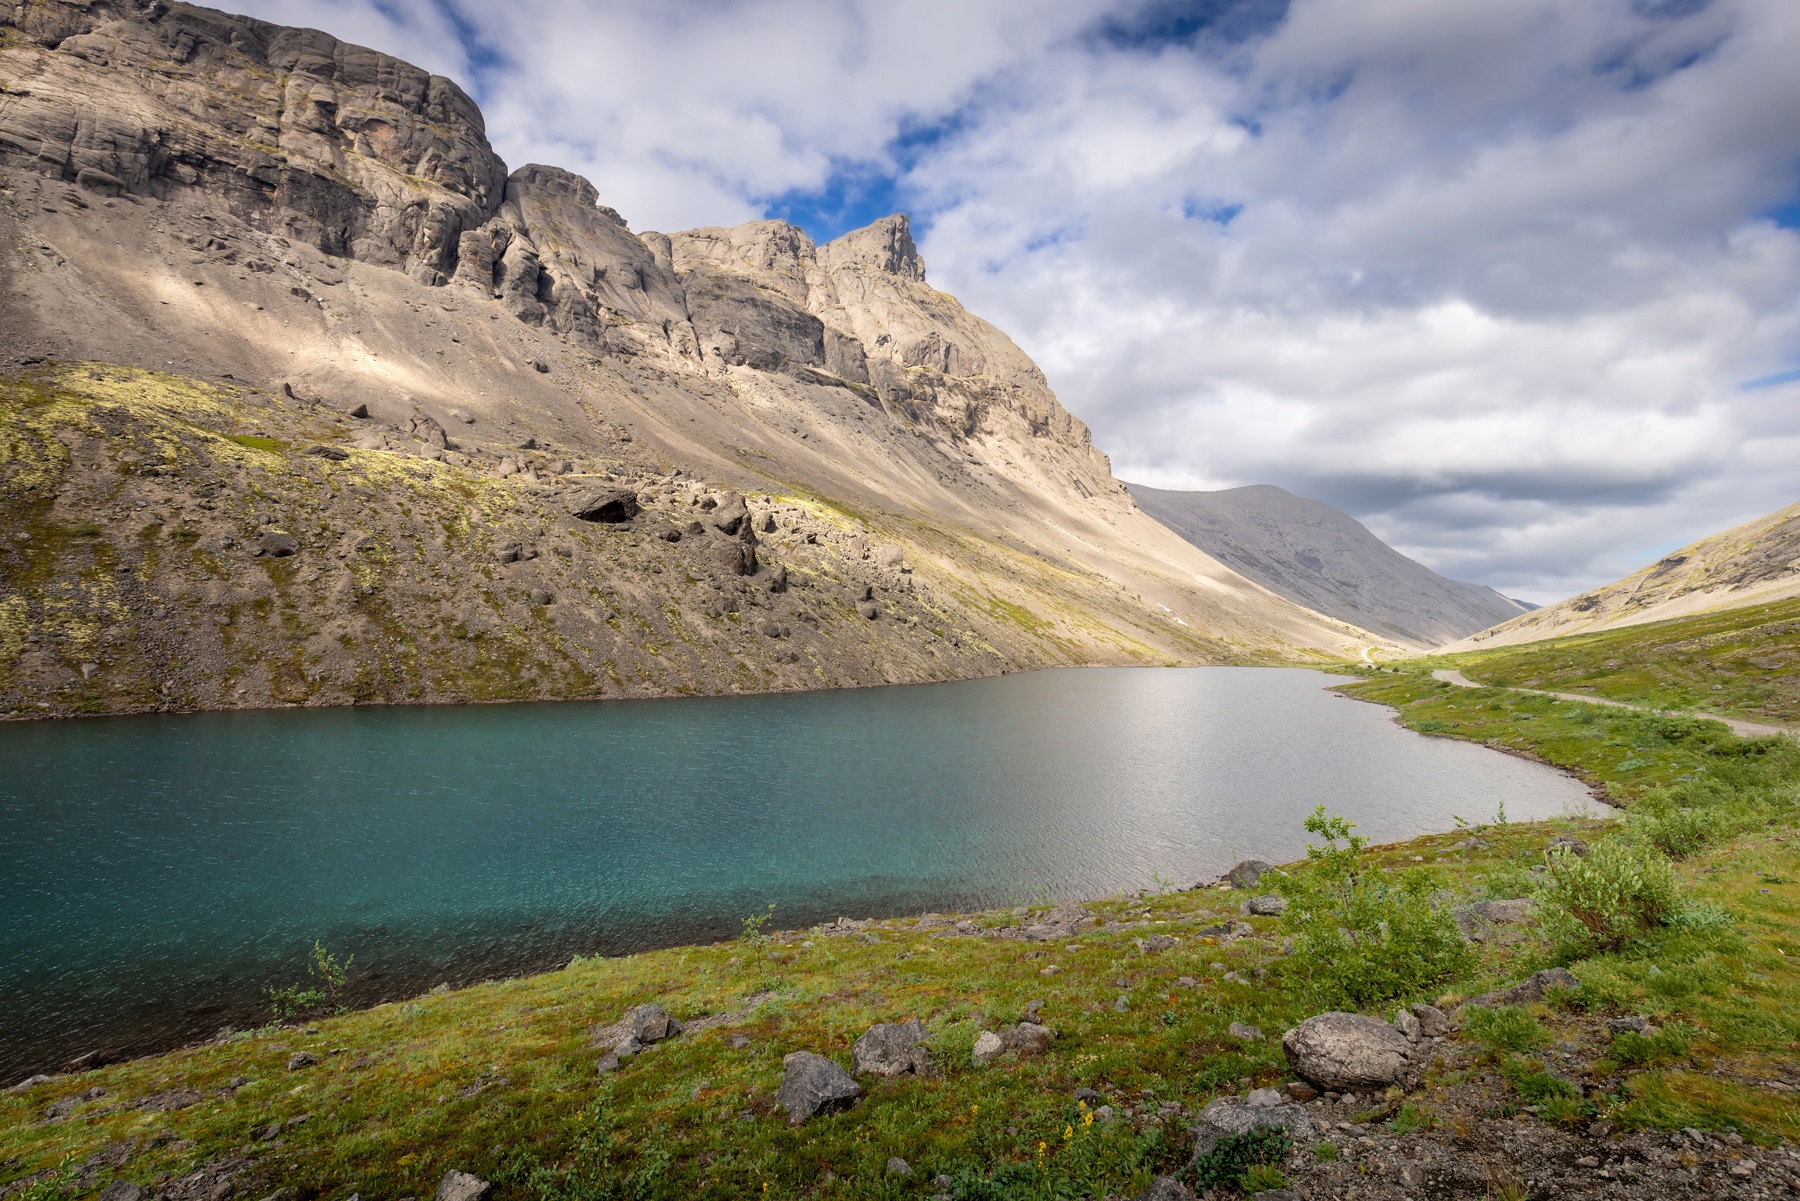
(1744, 729)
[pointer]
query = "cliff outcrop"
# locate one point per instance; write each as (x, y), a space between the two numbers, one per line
(223, 228)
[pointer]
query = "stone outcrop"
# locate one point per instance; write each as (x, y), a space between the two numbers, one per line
(893, 1049)
(1264, 1108)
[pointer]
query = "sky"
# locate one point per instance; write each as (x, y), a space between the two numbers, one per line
(1515, 282)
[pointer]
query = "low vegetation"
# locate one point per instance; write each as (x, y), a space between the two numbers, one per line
(1685, 913)
(1743, 663)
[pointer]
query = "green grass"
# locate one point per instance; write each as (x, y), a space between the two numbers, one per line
(254, 442)
(1743, 663)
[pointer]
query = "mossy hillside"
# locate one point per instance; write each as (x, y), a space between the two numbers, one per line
(498, 1079)
(135, 500)
(1743, 663)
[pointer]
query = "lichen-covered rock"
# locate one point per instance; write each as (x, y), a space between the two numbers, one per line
(460, 1186)
(813, 1084)
(892, 1049)
(1265, 1108)
(640, 1026)
(1247, 873)
(987, 1049)
(1348, 1051)
(1533, 988)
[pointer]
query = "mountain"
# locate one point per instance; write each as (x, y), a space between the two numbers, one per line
(1751, 564)
(312, 401)
(1317, 556)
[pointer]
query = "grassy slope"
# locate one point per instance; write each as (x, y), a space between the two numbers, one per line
(1740, 662)
(497, 1079)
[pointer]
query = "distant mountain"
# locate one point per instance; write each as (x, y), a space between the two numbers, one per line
(1322, 558)
(1751, 564)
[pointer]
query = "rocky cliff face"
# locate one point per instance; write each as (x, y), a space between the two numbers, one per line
(1328, 561)
(1752, 564)
(225, 229)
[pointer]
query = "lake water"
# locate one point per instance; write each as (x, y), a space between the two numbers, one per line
(158, 873)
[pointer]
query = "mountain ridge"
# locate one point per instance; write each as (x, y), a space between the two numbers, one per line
(1320, 557)
(312, 245)
(1755, 563)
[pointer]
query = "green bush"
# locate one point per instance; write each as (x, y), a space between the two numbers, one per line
(1631, 1049)
(1260, 1178)
(1227, 1164)
(1503, 1029)
(1363, 935)
(1604, 900)
(1326, 1152)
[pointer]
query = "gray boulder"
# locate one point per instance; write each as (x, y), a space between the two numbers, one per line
(1243, 1033)
(1432, 1021)
(638, 1028)
(1266, 906)
(1532, 988)
(277, 544)
(731, 514)
(1166, 1188)
(892, 1050)
(1247, 873)
(460, 1186)
(611, 506)
(987, 1049)
(1567, 844)
(1265, 1109)
(1347, 1052)
(813, 1084)
(1064, 921)
(1027, 1038)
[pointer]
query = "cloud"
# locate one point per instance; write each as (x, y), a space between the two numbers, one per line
(1514, 281)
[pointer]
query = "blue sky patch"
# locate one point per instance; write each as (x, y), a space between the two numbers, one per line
(1158, 23)
(1214, 211)
(855, 194)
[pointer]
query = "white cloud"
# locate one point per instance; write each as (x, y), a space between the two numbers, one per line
(1488, 274)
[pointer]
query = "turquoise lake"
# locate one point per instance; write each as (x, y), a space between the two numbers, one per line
(160, 873)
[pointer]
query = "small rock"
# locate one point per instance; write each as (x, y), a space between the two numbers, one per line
(30, 1082)
(335, 453)
(1266, 906)
(1567, 844)
(608, 1063)
(1743, 1169)
(510, 552)
(1247, 873)
(1503, 913)
(898, 1167)
(1088, 1095)
(300, 1059)
(813, 1084)
(1264, 1098)
(358, 410)
(868, 610)
(1599, 1129)
(892, 1050)
(122, 1190)
(987, 1049)
(1122, 1005)
(1408, 1024)
(460, 1186)
(1432, 1022)
(1027, 1038)
(1348, 1051)
(1632, 1025)
(1532, 988)
(1167, 1188)
(541, 597)
(1243, 1033)
(1156, 944)
(1299, 1091)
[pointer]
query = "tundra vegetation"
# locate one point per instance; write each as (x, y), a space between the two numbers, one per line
(1681, 913)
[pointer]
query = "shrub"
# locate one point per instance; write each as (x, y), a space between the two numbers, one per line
(1326, 1152)
(1606, 899)
(1362, 935)
(1260, 1178)
(1503, 1029)
(329, 975)
(1630, 1049)
(1227, 1164)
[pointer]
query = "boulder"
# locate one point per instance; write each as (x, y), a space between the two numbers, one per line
(1567, 844)
(1243, 1033)
(1156, 944)
(898, 1167)
(1347, 1051)
(1247, 873)
(1629, 1025)
(301, 1059)
(1027, 1038)
(738, 558)
(892, 1050)
(1502, 913)
(812, 1084)
(609, 505)
(730, 515)
(460, 1186)
(987, 1049)
(335, 453)
(778, 581)
(1265, 906)
(1064, 921)
(277, 544)
(889, 556)
(1532, 988)
(1228, 1116)
(641, 1026)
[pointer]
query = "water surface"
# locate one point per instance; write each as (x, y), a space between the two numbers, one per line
(160, 872)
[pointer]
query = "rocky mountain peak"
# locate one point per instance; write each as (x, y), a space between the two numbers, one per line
(886, 245)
